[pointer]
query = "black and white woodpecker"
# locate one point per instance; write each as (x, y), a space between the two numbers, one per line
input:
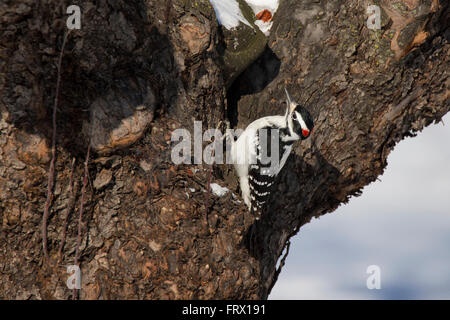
(256, 174)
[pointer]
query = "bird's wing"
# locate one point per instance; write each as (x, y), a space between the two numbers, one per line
(270, 158)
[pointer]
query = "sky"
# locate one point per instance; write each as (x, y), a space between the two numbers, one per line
(400, 224)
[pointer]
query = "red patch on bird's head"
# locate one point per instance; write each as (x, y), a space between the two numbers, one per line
(264, 15)
(305, 132)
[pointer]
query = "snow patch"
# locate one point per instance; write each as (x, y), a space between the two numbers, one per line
(228, 13)
(258, 7)
(264, 26)
(218, 190)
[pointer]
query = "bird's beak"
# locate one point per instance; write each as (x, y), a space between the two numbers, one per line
(290, 104)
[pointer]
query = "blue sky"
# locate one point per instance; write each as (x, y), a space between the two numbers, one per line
(401, 224)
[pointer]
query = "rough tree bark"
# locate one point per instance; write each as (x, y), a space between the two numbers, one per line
(136, 71)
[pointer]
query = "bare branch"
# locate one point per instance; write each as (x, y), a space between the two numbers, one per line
(80, 217)
(73, 191)
(51, 170)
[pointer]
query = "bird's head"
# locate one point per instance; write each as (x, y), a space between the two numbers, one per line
(299, 120)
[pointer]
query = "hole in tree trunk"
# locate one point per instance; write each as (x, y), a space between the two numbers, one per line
(252, 80)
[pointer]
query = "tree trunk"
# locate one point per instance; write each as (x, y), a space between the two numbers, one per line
(137, 70)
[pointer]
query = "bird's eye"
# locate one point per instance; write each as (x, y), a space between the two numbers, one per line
(294, 116)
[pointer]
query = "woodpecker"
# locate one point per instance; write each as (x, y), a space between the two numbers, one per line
(257, 177)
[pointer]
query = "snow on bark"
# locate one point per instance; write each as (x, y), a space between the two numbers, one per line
(228, 13)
